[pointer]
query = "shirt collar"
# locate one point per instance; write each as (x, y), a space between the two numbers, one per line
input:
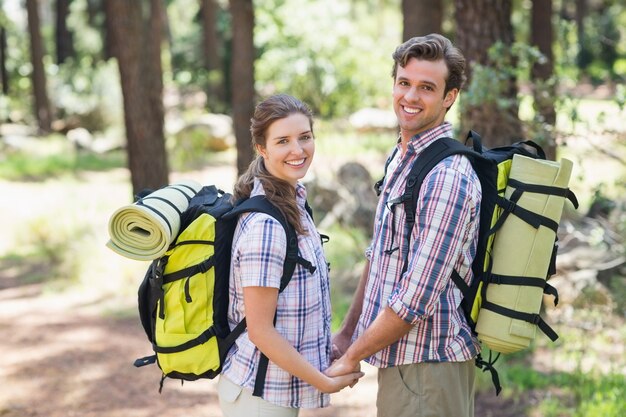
(423, 139)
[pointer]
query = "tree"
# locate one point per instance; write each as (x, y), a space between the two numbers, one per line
(136, 43)
(211, 48)
(421, 18)
(4, 74)
(64, 38)
(490, 105)
(41, 104)
(544, 91)
(242, 75)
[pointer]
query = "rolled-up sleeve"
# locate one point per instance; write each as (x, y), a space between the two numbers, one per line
(444, 214)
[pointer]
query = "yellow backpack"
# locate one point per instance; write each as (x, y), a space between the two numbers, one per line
(183, 298)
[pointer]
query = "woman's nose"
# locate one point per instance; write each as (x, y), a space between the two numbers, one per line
(296, 147)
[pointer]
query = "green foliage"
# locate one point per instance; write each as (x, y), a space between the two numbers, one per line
(579, 394)
(44, 252)
(489, 82)
(36, 167)
(335, 55)
(345, 253)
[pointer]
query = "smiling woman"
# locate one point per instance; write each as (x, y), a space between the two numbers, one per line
(276, 366)
(289, 149)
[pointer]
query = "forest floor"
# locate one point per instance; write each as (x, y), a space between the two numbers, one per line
(69, 353)
(61, 357)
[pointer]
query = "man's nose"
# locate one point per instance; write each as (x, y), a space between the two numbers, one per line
(412, 94)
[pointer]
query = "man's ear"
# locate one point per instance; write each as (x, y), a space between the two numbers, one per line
(450, 98)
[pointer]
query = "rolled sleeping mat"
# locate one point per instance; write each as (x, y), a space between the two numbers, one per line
(521, 250)
(144, 230)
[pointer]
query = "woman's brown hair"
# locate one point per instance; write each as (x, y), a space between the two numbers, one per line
(279, 192)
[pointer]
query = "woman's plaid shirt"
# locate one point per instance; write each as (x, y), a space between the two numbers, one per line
(444, 238)
(258, 253)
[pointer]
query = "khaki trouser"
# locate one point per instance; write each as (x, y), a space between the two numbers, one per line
(236, 401)
(443, 389)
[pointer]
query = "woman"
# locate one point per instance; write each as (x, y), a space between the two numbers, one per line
(298, 345)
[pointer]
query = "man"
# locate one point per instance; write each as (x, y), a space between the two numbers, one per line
(408, 323)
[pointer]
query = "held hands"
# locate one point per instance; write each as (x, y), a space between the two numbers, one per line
(344, 367)
(336, 383)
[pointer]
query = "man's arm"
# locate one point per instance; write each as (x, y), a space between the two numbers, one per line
(388, 328)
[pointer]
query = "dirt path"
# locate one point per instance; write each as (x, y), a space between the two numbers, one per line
(61, 357)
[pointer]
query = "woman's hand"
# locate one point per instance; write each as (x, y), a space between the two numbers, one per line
(334, 384)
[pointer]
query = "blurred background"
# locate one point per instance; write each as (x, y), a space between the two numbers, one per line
(103, 98)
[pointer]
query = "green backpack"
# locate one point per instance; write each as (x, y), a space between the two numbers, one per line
(183, 298)
(502, 302)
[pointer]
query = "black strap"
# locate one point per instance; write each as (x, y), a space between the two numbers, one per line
(157, 212)
(261, 204)
(488, 366)
(545, 189)
(428, 159)
(460, 283)
(516, 280)
(378, 186)
(527, 317)
(510, 206)
(201, 339)
(190, 271)
(550, 290)
(146, 360)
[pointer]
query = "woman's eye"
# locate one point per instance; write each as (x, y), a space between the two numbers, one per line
(306, 137)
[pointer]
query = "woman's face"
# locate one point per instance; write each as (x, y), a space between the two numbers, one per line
(289, 148)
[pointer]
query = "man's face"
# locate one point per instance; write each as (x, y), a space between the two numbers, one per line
(418, 96)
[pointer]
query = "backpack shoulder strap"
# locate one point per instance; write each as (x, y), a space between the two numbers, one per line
(260, 204)
(428, 159)
(378, 186)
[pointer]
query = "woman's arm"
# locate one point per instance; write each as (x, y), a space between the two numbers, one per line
(260, 306)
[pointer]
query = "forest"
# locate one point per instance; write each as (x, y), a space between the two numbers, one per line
(101, 99)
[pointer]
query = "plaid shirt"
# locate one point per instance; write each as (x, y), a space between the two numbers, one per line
(258, 254)
(444, 238)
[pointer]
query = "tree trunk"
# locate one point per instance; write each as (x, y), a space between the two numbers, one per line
(64, 39)
(137, 47)
(242, 70)
(480, 24)
(42, 105)
(584, 57)
(4, 74)
(421, 18)
(211, 48)
(544, 90)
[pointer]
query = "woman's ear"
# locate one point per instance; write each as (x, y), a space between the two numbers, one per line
(261, 150)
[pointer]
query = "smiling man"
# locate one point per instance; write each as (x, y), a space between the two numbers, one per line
(407, 321)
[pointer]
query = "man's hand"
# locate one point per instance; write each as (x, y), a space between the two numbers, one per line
(343, 366)
(340, 344)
